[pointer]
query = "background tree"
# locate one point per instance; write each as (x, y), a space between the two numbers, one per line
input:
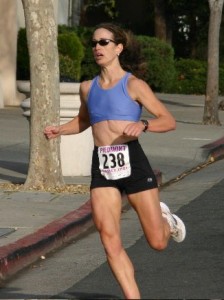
(76, 7)
(181, 23)
(212, 89)
(94, 11)
(45, 164)
(190, 28)
(163, 20)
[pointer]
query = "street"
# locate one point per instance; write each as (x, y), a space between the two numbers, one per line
(193, 269)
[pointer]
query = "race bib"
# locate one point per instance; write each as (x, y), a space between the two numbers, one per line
(114, 161)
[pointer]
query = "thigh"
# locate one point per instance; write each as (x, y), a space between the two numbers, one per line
(147, 206)
(106, 209)
(142, 176)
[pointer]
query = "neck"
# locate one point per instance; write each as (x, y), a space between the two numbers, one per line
(109, 75)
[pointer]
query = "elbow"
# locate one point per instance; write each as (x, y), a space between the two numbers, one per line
(170, 125)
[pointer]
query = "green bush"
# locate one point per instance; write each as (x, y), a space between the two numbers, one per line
(160, 63)
(76, 62)
(191, 76)
(89, 68)
(23, 61)
(71, 53)
(221, 79)
(69, 69)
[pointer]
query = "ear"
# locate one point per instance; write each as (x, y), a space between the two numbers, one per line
(119, 49)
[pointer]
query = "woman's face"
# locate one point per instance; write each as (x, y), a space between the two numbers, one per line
(105, 50)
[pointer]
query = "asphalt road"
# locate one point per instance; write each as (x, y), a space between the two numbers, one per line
(193, 269)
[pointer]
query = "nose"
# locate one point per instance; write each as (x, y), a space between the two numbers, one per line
(97, 45)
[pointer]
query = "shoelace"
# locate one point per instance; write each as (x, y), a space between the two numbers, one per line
(173, 229)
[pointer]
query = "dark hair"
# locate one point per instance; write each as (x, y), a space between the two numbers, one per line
(130, 58)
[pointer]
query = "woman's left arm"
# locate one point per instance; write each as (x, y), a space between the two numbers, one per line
(163, 120)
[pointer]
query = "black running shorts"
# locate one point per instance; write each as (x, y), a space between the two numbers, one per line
(142, 176)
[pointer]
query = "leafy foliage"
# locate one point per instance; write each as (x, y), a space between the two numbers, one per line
(89, 68)
(160, 63)
(190, 28)
(221, 79)
(164, 73)
(23, 61)
(108, 6)
(191, 76)
(71, 53)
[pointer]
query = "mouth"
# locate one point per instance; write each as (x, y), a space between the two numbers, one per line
(98, 55)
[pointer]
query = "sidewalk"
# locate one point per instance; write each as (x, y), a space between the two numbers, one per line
(35, 223)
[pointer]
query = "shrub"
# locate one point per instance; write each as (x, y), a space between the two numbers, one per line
(191, 76)
(71, 53)
(160, 63)
(221, 79)
(89, 68)
(23, 61)
(76, 62)
(69, 69)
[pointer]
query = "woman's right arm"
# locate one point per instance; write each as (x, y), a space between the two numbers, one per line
(78, 124)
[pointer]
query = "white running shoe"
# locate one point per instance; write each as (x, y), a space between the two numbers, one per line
(178, 229)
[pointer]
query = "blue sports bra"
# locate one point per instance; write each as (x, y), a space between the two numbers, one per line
(113, 103)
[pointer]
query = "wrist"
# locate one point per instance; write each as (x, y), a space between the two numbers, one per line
(146, 125)
(58, 129)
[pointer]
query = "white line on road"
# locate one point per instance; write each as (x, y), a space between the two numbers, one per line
(196, 139)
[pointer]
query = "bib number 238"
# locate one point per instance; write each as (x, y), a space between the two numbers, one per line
(114, 161)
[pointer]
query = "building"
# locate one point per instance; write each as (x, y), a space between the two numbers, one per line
(11, 20)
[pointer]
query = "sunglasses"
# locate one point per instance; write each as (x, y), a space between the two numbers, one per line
(102, 42)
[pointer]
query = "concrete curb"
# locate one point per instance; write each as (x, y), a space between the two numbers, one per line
(16, 256)
(215, 149)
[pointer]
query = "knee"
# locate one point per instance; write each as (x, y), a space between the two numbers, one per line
(158, 243)
(111, 243)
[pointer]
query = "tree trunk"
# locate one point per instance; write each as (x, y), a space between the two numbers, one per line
(212, 89)
(160, 19)
(193, 36)
(76, 11)
(45, 164)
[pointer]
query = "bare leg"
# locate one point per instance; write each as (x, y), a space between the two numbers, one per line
(155, 227)
(106, 207)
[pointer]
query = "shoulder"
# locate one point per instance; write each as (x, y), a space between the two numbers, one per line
(85, 85)
(134, 81)
(84, 88)
(137, 86)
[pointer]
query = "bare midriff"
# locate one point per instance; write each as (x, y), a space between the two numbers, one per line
(110, 133)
